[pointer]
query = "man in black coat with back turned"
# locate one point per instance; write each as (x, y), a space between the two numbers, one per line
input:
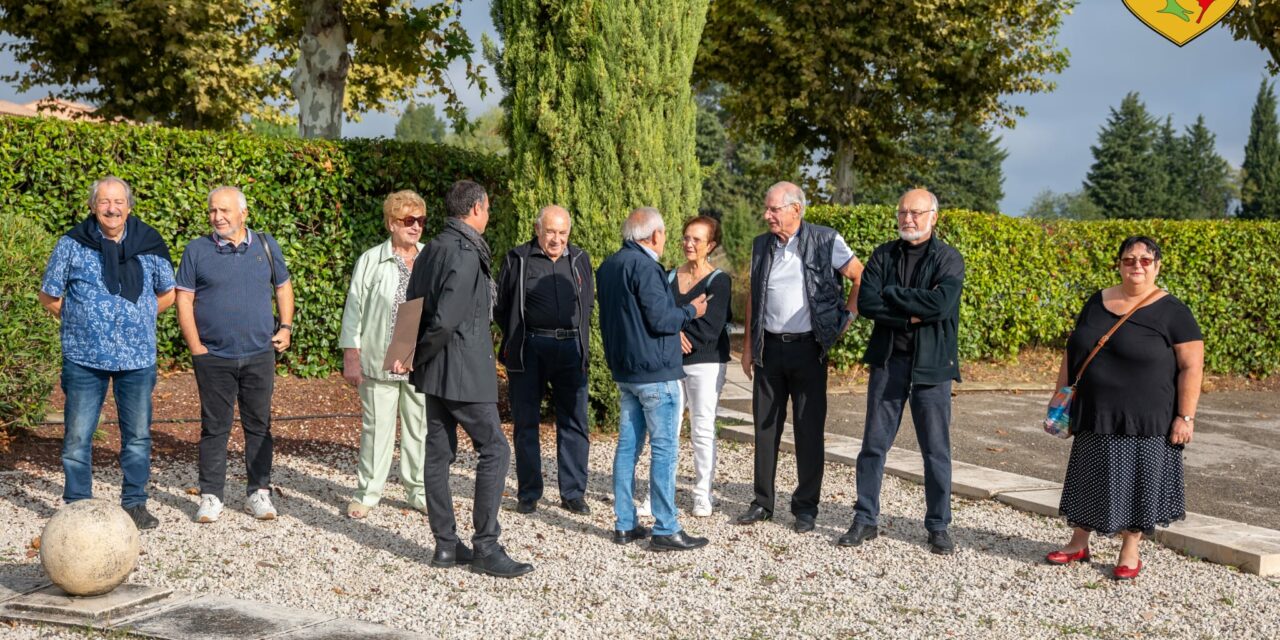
(453, 366)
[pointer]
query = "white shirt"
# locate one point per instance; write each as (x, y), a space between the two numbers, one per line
(786, 308)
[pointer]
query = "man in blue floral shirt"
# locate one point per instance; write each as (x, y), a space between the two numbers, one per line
(107, 280)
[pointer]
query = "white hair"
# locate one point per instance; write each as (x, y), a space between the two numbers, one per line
(642, 224)
(244, 205)
(791, 194)
(542, 214)
(93, 189)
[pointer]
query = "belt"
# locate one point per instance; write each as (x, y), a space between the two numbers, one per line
(791, 337)
(558, 334)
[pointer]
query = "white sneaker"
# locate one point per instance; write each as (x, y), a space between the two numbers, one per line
(259, 505)
(644, 509)
(701, 508)
(210, 508)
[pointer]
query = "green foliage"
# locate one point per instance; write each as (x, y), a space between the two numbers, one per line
(204, 64)
(1025, 280)
(1258, 21)
(1124, 174)
(420, 124)
(1144, 169)
(484, 134)
(1260, 190)
(845, 81)
(139, 61)
(1048, 205)
(601, 119)
(961, 164)
(29, 362)
(322, 200)
(269, 129)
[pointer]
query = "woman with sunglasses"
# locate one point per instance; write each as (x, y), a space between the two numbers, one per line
(377, 289)
(1133, 411)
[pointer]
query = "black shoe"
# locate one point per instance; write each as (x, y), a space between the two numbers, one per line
(142, 519)
(526, 506)
(678, 541)
(804, 523)
(446, 557)
(940, 543)
(857, 534)
(753, 515)
(623, 537)
(576, 505)
(499, 565)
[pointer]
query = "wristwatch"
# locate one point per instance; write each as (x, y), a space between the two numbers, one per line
(285, 325)
(1188, 419)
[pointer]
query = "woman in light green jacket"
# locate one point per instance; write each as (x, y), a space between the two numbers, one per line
(368, 321)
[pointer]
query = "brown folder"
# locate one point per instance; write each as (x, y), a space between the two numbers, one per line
(405, 338)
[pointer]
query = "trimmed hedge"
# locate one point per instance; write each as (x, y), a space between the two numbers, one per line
(29, 361)
(321, 199)
(1026, 280)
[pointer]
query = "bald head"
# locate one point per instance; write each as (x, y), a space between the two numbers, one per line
(917, 213)
(552, 230)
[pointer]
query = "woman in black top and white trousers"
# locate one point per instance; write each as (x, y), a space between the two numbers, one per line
(1133, 411)
(705, 344)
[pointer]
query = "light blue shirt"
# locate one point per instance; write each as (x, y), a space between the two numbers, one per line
(102, 330)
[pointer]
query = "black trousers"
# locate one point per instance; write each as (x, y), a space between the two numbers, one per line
(794, 371)
(224, 382)
(548, 360)
(480, 421)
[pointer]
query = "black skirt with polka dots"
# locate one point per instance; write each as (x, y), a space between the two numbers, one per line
(1123, 483)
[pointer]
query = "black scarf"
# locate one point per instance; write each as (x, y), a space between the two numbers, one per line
(121, 274)
(486, 256)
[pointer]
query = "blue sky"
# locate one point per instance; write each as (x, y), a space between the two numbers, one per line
(1112, 53)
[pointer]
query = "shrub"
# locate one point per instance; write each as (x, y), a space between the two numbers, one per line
(1026, 280)
(29, 360)
(321, 199)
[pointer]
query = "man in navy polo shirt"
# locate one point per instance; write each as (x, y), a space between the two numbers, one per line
(107, 279)
(225, 284)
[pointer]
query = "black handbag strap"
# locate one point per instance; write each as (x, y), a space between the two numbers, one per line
(262, 239)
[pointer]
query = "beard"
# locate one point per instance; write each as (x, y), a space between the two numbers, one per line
(913, 236)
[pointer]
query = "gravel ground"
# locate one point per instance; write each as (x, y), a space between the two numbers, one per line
(763, 581)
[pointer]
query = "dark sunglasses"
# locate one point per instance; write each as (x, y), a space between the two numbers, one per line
(1144, 261)
(410, 221)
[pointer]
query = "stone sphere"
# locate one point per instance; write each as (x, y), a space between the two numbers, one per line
(89, 547)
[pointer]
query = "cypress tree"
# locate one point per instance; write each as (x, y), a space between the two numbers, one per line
(600, 119)
(1260, 190)
(1123, 175)
(1207, 175)
(1170, 187)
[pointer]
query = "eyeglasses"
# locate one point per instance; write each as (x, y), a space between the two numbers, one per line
(915, 215)
(1145, 261)
(410, 221)
(778, 209)
(693, 240)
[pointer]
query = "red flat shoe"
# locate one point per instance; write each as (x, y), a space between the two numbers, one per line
(1122, 572)
(1058, 557)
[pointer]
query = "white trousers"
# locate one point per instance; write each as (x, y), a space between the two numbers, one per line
(700, 392)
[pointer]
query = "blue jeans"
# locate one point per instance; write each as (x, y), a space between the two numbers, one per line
(651, 407)
(86, 389)
(890, 388)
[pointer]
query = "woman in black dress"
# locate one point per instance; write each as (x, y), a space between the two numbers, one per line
(1134, 410)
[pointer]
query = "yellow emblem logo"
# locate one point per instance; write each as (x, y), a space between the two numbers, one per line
(1181, 21)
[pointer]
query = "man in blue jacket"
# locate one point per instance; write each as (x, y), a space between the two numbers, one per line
(640, 325)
